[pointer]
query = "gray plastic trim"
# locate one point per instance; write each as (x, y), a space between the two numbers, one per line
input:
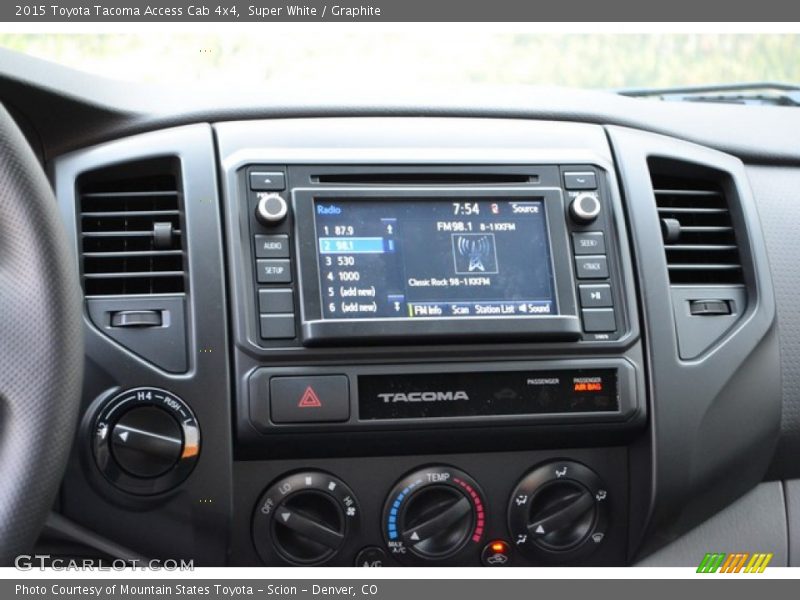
(59, 526)
(204, 500)
(715, 420)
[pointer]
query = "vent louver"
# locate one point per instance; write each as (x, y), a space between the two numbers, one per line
(696, 226)
(130, 226)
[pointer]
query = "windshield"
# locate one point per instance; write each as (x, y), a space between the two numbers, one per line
(441, 54)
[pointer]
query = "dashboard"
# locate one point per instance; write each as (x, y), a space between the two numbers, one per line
(469, 336)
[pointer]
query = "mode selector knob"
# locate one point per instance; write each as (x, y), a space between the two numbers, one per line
(585, 207)
(433, 514)
(559, 511)
(271, 208)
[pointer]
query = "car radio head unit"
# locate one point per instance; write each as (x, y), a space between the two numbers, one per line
(404, 255)
(411, 262)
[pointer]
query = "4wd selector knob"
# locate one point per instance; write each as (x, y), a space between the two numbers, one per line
(145, 440)
(304, 518)
(559, 509)
(433, 514)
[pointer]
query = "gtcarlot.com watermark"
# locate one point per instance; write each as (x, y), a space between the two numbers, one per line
(41, 562)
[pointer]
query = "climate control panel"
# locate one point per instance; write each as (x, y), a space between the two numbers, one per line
(557, 509)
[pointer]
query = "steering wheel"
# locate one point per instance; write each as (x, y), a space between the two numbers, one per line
(41, 345)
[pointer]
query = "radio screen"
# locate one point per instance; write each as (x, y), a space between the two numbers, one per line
(418, 259)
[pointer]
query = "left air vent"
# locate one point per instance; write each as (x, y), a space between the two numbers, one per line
(131, 232)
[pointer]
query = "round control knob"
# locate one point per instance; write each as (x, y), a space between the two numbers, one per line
(584, 208)
(304, 518)
(433, 514)
(559, 510)
(271, 209)
(145, 440)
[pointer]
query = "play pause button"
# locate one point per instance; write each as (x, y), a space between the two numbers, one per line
(313, 399)
(596, 296)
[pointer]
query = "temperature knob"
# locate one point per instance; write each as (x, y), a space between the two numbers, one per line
(271, 208)
(559, 510)
(433, 514)
(304, 518)
(584, 208)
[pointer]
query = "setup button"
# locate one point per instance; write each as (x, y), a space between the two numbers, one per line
(314, 399)
(275, 270)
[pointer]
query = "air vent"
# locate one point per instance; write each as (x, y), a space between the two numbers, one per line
(699, 236)
(131, 229)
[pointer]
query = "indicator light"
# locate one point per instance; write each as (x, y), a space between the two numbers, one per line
(496, 554)
(588, 387)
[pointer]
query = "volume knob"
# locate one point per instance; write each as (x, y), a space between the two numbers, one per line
(271, 209)
(585, 208)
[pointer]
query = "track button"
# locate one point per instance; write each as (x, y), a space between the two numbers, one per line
(314, 399)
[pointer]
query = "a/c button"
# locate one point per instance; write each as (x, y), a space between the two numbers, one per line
(314, 399)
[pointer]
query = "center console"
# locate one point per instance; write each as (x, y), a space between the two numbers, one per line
(398, 314)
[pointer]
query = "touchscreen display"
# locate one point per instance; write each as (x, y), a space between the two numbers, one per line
(433, 258)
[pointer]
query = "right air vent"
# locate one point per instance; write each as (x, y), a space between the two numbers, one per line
(696, 225)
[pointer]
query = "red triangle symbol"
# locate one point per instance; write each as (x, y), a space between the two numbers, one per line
(309, 399)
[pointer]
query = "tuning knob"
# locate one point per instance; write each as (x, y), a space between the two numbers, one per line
(559, 510)
(433, 514)
(146, 440)
(271, 208)
(304, 518)
(585, 207)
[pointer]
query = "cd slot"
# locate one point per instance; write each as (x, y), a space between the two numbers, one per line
(427, 179)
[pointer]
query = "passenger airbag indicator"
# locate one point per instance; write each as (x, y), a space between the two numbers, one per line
(472, 394)
(588, 384)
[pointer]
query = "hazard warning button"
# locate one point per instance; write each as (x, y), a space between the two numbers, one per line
(313, 399)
